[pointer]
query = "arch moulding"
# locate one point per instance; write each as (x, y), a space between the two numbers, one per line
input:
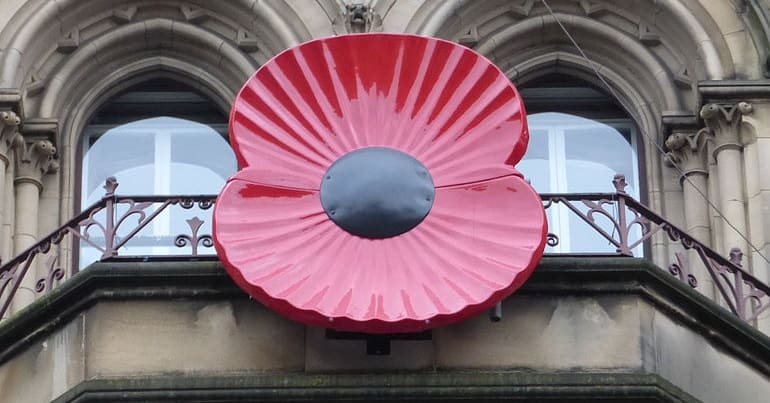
(36, 31)
(94, 73)
(436, 18)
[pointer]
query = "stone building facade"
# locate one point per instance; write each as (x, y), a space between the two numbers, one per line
(691, 77)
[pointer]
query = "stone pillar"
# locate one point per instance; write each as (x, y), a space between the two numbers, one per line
(724, 123)
(688, 152)
(9, 139)
(33, 160)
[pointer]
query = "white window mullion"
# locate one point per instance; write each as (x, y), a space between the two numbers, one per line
(559, 217)
(162, 184)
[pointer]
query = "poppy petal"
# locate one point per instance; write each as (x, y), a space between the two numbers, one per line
(253, 220)
(483, 239)
(478, 244)
(433, 99)
(491, 139)
(264, 131)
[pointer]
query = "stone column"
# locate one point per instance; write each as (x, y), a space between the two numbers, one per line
(725, 122)
(33, 160)
(688, 152)
(9, 139)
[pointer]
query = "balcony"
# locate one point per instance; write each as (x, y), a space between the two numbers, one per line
(157, 318)
(141, 228)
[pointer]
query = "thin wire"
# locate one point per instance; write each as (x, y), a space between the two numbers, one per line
(649, 138)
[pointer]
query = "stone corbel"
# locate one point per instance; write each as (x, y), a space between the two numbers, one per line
(33, 161)
(687, 151)
(362, 18)
(724, 121)
(10, 138)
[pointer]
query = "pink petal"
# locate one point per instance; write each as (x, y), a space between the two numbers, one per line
(440, 102)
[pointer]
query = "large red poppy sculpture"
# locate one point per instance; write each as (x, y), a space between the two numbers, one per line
(377, 191)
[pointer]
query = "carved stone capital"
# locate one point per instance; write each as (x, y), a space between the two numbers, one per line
(10, 138)
(33, 161)
(687, 151)
(724, 121)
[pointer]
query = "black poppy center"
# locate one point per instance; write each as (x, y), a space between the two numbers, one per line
(377, 192)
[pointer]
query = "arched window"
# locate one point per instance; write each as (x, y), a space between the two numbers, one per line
(158, 138)
(579, 139)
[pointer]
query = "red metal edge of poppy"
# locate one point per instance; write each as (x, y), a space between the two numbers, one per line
(379, 325)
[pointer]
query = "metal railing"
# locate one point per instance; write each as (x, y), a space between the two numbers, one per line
(119, 227)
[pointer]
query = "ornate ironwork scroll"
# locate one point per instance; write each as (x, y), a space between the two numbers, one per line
(108, 226)
(626, 224)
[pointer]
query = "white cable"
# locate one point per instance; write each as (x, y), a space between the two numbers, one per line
(649, 138)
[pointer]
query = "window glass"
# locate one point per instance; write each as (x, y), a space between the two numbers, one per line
(579, 140)
(572, 154)
(157, 139)
(160, 156)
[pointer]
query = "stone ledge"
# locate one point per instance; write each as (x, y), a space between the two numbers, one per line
(205, 280)
(422, 386)
(734, 90)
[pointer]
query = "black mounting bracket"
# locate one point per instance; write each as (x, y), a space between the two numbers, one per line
(377, 344)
